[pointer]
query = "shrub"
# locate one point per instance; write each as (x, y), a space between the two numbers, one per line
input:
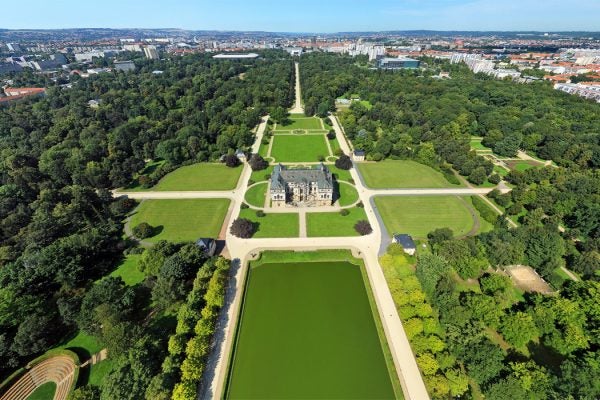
(515, 209)
(484, 211)
(331, 135)
(440, 235)
(344, 162)
(145, 181)
(338, 152)
(321, 158)
(244, 206)
(350, 180)
(260, 213)
(360, 204)
(344, 212)
(242, 228)
(267, 177)
(143, 230)
(377, 156)
(363, 227)
(231, 160)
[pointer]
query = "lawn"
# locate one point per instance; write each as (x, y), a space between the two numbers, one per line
(301, 148)
(203, 176)
(255, 196)
(99, 371)
(477, 145)
(340, 174)
(273, 225)
(128, 270)
(307, 331)
(300, 123)
(419, 215)
(44, 392)
(262, 175)
(401, 174)
(348, 194)
(522, 165)
(333, 224)
(182, 220)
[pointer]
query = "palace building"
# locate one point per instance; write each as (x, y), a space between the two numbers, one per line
(301, 186)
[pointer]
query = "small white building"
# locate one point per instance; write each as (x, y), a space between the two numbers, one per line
(358, 155)
(240, 155)
(406, 241)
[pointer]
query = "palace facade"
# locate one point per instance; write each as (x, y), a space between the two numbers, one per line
(301, 186)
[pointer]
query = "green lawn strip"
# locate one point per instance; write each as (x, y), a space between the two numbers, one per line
(327, 224)
(311, 320)
(334, 144)
(477, 145)
(82, 340)
(348, 194)
(276, 256)
(43, 392)
(275, 225)
(128, 270)
(203, 176)
(297, 122)
(401, 174)
(262, 175)
(500, 171)
(302, 148)
(255, 196)
(419, 215)
(182, 220)
(263, 149)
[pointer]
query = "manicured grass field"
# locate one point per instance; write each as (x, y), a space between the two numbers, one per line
(333, 224)
(307, 331)
(203, 176)
(182, 220)
(273, 225)
(301, 148)
(419, 215)
(348, 194)
(255, 196)
(401, 174)
(128, 270)
(300, 123)
(522, 165)
(43, 392)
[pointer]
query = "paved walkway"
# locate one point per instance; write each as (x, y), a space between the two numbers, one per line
(302, 223)
(297, 109)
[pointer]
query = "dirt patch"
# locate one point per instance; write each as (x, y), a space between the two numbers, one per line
(527, 279)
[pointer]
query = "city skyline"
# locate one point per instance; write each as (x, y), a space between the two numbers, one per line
(314, 17)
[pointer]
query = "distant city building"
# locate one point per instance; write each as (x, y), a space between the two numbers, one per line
(294, 51)
(55, 61)
(124, 66)
(235, 56)
(9, 91)
(301, 186)
(397, 63)
(151, 52)
(591, 92)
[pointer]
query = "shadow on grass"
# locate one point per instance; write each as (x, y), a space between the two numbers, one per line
(545, 355)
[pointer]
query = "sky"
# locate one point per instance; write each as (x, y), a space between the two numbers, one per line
(319, 16)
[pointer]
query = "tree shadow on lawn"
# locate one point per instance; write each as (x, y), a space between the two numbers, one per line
(545, 355)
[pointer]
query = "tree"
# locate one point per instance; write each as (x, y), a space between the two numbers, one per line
(427, 364)
(242, 228)
(477, 176)
(257, 163)
(343, 162)
(518, 329)
(458, 381)
(331, 135)
(439, 235)
(280, 115)
(363, 227)
(493, 283)
(143, 230)
(232, 161)
(36, 333)
(87, 392)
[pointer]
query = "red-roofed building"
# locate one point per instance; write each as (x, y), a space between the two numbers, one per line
(23, 91)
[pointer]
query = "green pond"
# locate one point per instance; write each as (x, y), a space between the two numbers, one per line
(307, 331)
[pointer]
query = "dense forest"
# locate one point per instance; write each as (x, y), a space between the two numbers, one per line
(60, 228)
(510, 346)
